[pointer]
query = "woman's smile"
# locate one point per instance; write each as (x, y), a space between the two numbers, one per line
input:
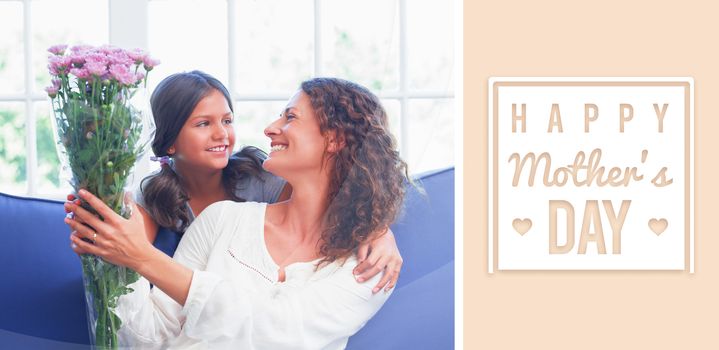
(277, 147)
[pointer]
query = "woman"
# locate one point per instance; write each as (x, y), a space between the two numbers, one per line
(255, 275)
(193, 140)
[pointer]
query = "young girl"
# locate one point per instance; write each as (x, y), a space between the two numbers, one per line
(258, 276)
(193, 140)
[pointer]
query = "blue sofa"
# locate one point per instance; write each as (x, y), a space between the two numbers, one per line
(42, 301)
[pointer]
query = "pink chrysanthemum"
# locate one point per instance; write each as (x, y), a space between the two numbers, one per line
(137, 55)
(52, 90)
(150, 63)
(108, 49)
(122, 74)
(97, 57)
(80, 73)
(81, 49)
(77, 59)
(96, 68)
(139, 76)
(57, 50)
(120, 58)
(58, 64)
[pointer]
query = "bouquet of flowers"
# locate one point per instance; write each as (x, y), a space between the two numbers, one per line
(99, 137)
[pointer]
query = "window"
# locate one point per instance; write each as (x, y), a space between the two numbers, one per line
(262, 50)
(27, 148)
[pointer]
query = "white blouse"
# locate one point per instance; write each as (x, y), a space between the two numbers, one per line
(235, 300)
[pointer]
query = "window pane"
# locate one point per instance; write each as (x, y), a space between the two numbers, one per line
(69, 22)
(12, 148)
(392, 108)
(186, 35)
(360, 42)
(430, 126)
(275, 47)
(48, 164)
(12, 67)
(430, 48)
(251, 119)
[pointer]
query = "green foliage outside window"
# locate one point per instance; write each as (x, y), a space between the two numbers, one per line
(12, 147)
(13, 151)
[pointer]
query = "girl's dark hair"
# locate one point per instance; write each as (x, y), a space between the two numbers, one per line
(367, 183)
(172, 102)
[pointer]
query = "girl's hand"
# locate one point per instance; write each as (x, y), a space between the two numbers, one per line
(383, 255)
(118, 240)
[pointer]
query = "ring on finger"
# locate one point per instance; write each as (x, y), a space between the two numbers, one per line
(94, 237)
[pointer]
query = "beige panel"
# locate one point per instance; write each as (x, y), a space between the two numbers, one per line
(599, 309)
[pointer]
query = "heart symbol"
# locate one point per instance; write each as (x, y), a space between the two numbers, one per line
(658, 225)
(522, 226)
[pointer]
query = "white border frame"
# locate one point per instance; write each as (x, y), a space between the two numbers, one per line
(490, 148)
(459, 174)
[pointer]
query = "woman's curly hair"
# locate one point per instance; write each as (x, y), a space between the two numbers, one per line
(367, 184)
